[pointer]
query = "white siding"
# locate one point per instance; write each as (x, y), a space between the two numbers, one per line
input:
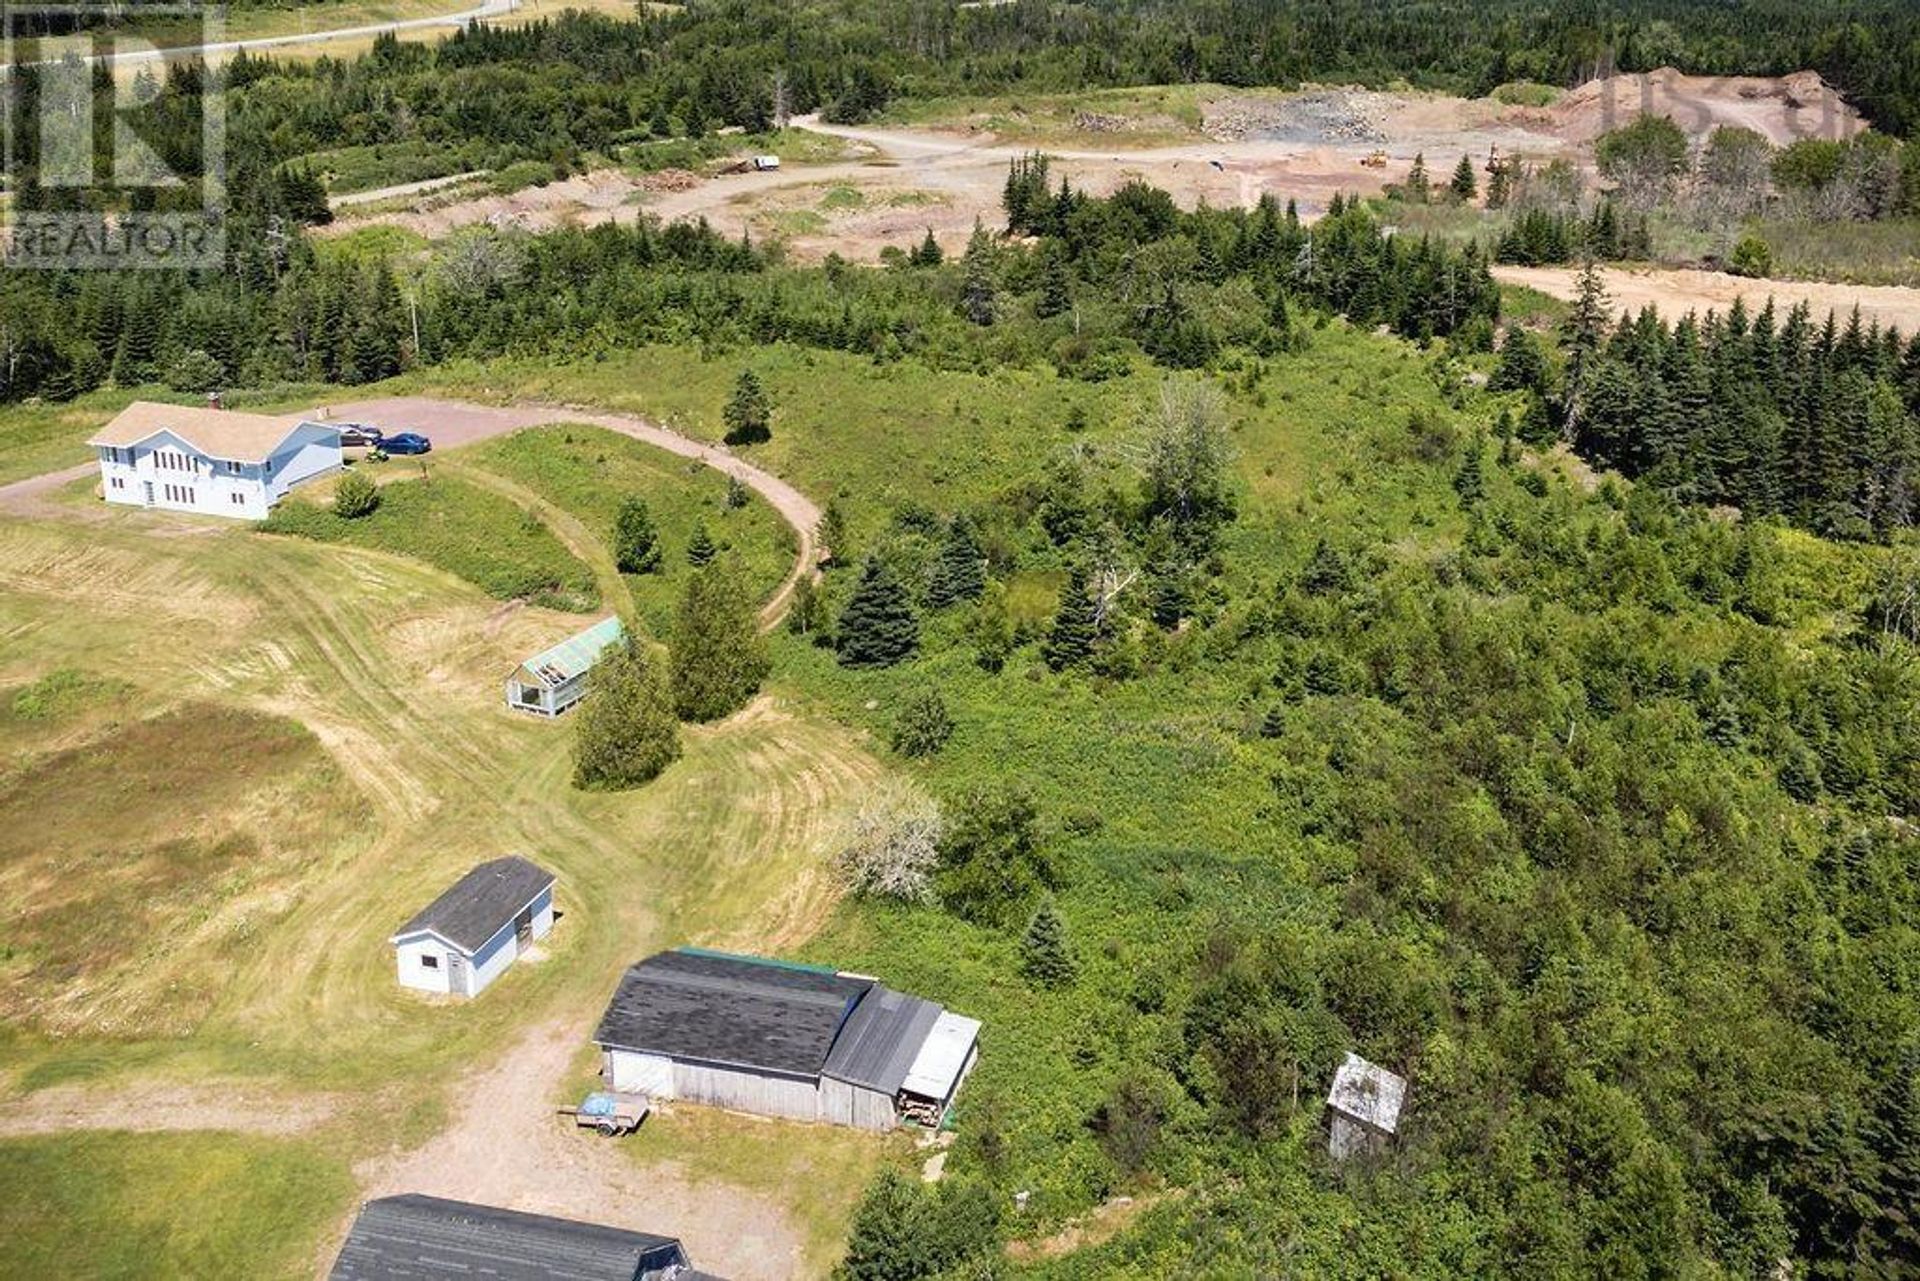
(414, 973)
(647, 1074)
(167, 473)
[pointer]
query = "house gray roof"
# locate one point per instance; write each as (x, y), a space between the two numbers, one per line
(477, 905)
(736, 1010)
(881, 1039)
(404, 1238)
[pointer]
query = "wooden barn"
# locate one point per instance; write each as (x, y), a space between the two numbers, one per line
(784, 1040)
(464, 939)
(412, 1237)
(555, 679)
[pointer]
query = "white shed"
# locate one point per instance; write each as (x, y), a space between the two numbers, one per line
(555, 679)
(464, 939)
(213, 462)
(1365, 1105)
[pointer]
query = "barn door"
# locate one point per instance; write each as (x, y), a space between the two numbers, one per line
(456, 974)
(523, 928)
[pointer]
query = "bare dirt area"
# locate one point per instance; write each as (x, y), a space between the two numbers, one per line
(1675, 292)
(154, 1106)
(1783, 109)
(1225, 148)
(506, 1147)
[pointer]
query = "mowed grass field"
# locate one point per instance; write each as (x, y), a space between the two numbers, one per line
(233, 764)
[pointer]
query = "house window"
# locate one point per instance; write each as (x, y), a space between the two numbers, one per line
(233, 468)
(119, 483)
(430, 962)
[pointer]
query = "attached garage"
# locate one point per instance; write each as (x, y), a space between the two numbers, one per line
(775, 1039)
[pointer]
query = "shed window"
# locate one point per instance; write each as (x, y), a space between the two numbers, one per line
(430, 962)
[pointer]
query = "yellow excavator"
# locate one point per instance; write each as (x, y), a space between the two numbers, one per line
(1375, 160)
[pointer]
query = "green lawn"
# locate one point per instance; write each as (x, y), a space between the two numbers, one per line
(589, 471)
(458, 527)
(175, 1205)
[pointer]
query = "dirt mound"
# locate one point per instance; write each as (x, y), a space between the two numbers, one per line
(1782, 109)
(671, 180)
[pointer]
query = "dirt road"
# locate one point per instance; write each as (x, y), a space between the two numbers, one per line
(1675, 292)
(505, 1146)
(452, 423)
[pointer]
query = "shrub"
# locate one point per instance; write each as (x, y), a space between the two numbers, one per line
(1751, 257)
(924, 725)
(893, 844)
(356, 496)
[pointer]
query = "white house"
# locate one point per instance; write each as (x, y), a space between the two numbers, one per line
(462, 940)
(213, 462)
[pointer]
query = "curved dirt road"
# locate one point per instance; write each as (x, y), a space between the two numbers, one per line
(452, 423)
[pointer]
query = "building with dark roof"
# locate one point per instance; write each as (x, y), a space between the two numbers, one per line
(461, 941)
(784, 1040)
(424, 1238)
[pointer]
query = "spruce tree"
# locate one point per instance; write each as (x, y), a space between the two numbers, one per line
(1056, 283)
(636, 543)
(929, 253)
(960, 573)
(878, 627)
(700, 546)
(625, 732)
(749, 414)
(1419, 185)
(1521, 366)
(1469, 482)
(1070, 642)
(1045, 957)
(1326, 572)
(1465, 186)
(979, 293)
(718, 658)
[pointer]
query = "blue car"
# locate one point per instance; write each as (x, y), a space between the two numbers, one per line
(406, 442)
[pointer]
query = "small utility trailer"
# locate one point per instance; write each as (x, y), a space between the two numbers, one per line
(610, 1113)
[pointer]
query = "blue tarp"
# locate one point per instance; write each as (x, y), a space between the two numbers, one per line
(598, 1104)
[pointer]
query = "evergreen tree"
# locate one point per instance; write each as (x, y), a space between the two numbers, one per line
(1521, 366)
(1056, 283)
(878, 627)
(1326, 572)
(700, 546)
(1468, 481)
(636, 544)
(625, 730)
(1419, 185)
(1581, 334)
(1045, 957)
(836, 547)
(1465, 185)
(960, 573)
(718, 658)
(1070, 642)
(749, 414)
(992, 629)
(979, 292)
(928, 254)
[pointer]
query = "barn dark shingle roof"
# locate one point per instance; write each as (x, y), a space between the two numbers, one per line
(477, 905)
(878, 1045)
(423, 1238)
(730, 1009)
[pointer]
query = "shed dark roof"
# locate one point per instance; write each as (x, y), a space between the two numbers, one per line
(401, 1238)
(881, 1039)
(730, 1009)
(478, 904)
